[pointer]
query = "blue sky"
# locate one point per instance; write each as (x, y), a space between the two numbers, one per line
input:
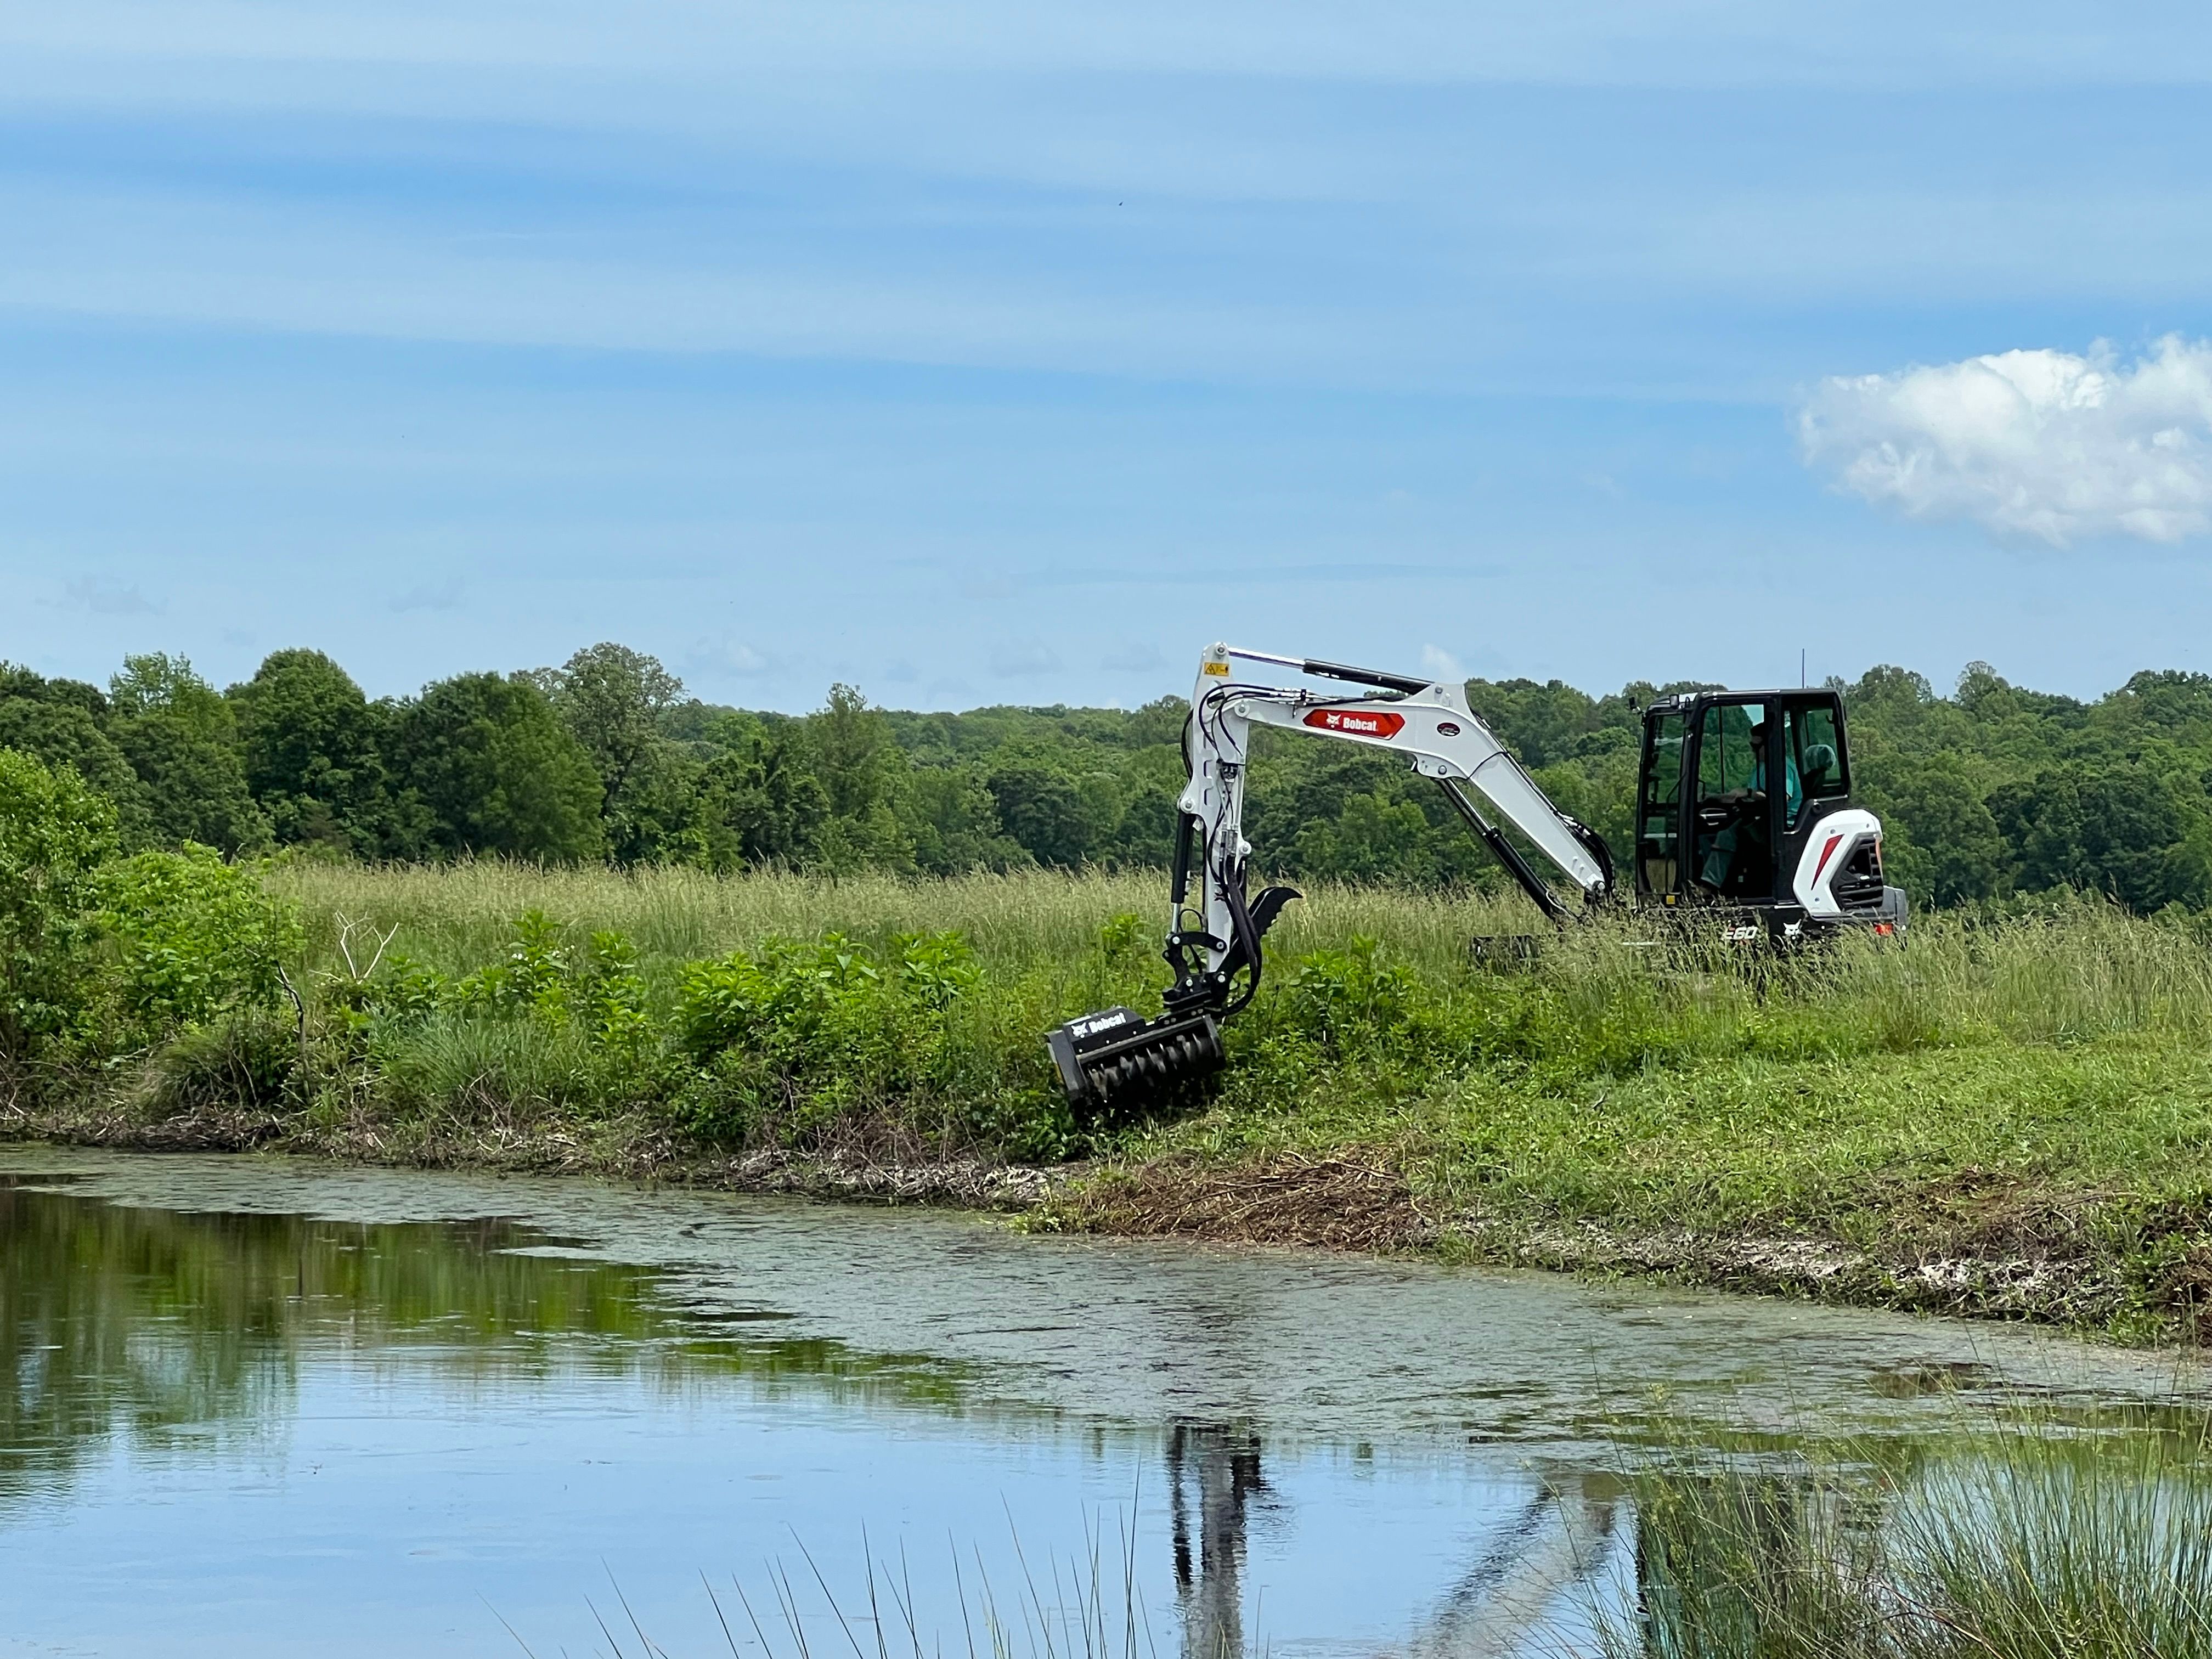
(999, 352)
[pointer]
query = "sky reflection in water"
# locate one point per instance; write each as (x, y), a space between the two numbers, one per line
(261, 1408)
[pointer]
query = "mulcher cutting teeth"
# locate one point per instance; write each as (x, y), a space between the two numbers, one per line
(1116, 1065)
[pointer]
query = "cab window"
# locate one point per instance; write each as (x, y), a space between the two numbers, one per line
(1658, 815)
(1724, 756)
(1819, 752)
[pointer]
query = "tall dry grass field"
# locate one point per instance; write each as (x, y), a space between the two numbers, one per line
(458, 915)
(2078, 972)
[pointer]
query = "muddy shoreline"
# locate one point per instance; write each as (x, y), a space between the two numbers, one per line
(2057, 1278)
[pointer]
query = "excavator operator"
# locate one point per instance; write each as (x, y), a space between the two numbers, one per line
(1721, 860)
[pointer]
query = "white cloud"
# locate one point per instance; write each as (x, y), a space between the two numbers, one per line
(2041, 443)
(1441, 666)
(725, 659)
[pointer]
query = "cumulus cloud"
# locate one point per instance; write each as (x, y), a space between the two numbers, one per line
(2042, 444)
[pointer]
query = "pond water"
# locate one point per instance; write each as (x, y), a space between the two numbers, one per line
(262, 1406)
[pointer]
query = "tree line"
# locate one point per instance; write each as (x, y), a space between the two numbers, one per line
(1988, 792)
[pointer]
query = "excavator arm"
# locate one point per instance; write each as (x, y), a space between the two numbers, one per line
(1114, 1058)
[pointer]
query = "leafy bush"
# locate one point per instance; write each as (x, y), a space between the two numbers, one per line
(788, 1037)
(408, 991)
(186, 937)
(1344, 999)
(540, 979)
(612, 997)
(532, 978)
(54, 834)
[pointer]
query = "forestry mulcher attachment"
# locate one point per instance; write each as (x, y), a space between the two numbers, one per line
(1715, 841)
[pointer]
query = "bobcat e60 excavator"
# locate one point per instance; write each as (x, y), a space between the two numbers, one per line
(1744, 822)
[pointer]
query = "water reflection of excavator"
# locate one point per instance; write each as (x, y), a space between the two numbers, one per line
(1213, 1475)
(1744, 821)
(1543, 1566)
(1558, 1543)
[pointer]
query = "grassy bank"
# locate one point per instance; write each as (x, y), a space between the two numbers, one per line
(2010, 1119)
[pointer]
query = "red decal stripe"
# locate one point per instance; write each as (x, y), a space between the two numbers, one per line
(1827, 853)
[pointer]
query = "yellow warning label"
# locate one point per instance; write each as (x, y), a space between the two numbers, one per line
(1221, 670)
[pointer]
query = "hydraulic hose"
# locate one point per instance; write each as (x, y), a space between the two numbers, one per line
(1595, 845)
(1247, 938)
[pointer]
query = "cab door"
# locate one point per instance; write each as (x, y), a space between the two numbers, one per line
(1659, 806)
(1733, 815)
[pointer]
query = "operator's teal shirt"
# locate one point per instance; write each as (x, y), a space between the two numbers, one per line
(1793, 789)
(1722, 853)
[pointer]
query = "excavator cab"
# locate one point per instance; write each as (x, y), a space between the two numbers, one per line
(1743, 802)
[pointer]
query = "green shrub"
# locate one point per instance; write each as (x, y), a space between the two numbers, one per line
(549, 1026)
(611, 995)
(788, 1038)
(185, 938)
(532, 978)
(247, 1059)
(1342, 999)
(407, 992)
(54, 834)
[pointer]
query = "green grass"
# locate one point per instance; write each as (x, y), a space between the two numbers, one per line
(2005, 1117)
(2031, 1542)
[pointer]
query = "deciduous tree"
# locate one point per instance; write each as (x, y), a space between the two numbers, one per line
(498, 770)
(311, 746)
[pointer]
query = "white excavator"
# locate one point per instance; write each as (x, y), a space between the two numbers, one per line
(1716, 842)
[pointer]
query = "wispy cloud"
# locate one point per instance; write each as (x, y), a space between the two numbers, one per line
(1139, 657)
(713, 659)
(104, 596)
(1441, 666)
(2037, 444)
(1013, 661)
(431, 596)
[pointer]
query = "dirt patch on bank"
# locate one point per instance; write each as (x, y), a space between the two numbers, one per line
(1336, 1204)
(1969, 1244)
